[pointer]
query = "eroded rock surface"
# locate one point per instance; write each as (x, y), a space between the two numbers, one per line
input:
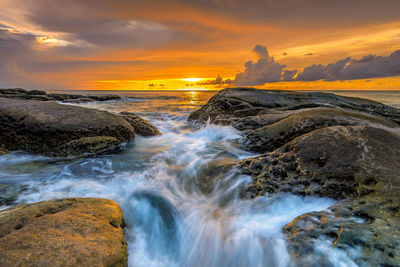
(64, 232)
(272, 136)
(142, 127)
(320, 144)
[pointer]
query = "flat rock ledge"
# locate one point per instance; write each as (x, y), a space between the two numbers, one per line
(63, 232)
(324, 145)
(19, 93)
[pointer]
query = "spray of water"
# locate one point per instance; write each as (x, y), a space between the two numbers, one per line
(177, 212)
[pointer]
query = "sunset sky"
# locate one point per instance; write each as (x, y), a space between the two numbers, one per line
(200, 44)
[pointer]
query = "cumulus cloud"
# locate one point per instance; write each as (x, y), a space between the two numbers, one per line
(264, 70)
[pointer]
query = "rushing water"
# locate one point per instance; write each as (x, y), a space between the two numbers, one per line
(178, 210)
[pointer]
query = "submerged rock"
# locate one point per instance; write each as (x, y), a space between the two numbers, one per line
(142, 127)
(58, 130)
(19, 93)
(64, 232)
(9, 193)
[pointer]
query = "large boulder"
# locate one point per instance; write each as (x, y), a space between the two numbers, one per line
(322, 145)
(59, 130)
(64, 232)
(272, 136)
(235, 103)
(142, 127)
(338, 162)
(356, 165)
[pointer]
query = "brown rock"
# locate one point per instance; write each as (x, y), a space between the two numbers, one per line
(142, 127)
(44, 127)
(64, 232)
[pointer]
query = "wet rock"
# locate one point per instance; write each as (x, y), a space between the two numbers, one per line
(64, 232)
(338, 162)
(368, 231)
(47, 128)
(243, 102)
(9, 193)
(142, 127)
(325, 145)
(19, 93)
(13, 91)
(3, 151)
(354, 164)
(36, 92)
(272, 136)
(85, 145)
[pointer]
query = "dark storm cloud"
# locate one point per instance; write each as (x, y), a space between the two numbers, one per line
(264, 70)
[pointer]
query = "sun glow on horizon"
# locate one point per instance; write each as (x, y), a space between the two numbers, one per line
(192, 79)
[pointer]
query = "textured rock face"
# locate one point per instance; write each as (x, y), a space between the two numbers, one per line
(48, 128)
(368, 229)
(338, 162)
(324, 145)
(232, 104)
(65, 232)
(19, 93)
(142, 127)
(270, 137)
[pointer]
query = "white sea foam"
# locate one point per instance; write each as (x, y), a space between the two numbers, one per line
(171, 220)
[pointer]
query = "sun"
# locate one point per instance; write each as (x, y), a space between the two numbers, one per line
(192, 79)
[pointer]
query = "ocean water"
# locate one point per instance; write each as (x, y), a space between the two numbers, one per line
(178, 210)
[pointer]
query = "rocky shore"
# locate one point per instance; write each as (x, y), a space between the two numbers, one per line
(19, 93)
(63, 232)
(325, 145)
(309, 144)
(57, 130)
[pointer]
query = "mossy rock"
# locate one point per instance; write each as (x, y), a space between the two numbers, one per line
(64, 232)
(85, 145)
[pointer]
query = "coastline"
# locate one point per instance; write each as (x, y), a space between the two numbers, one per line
(305, 162)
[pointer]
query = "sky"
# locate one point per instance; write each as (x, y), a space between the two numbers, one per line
(200, 44)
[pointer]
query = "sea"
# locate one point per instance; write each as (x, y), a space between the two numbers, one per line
(171, 218)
